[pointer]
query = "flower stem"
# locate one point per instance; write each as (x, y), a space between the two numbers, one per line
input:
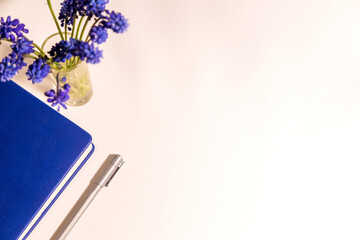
(82, 33)
(37, 54)
(66, 32)
(54, 17)
(7, 40)
(57, 84)
(78, 28)
(83, 30)
(29, 56)
(52, 35)
(97, 20)
(73, 29)
(35, 45)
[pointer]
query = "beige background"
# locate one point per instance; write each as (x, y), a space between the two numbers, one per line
(236, 119)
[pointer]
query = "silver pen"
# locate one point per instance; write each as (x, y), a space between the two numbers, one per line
(101, 179)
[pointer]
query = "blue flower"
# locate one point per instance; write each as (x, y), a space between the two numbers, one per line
(8, 69)
(93, 54)
(61, 51)
(10, 66)
(69, 9)
(17, 60)
(38, 70)
(95, 7)
(20, 29)
(116, 22)
(98, 34)
(75, 48)
(10, 27)
(78, 48)
(87, 51)
(59, 97)
(22, 46)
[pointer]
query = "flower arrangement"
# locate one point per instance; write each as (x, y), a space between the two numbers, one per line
(77, 44)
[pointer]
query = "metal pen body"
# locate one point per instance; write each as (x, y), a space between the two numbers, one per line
(76, 212)
(101, 179)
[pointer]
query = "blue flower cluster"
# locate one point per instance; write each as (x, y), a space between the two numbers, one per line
(112, 20)
(115, 21)
(69, 9)
(72, 8)
(10, 27)
(60, 51)
(75, 48)
(58, 97)
(10, 66)
(95, 7)
(12, 30)
(38, 70)
(22, 46)
(98, 34)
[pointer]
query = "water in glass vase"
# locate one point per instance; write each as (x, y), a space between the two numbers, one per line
(78, 78)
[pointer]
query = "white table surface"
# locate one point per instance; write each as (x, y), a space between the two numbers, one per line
(236, 119)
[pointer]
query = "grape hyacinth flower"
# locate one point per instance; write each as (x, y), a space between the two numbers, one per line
(22, 46)
(98, 34)
(116, 22)
(59, 97)
(78, 48)
(10, 66)
(38, 70)
(87, 51)
(8, 69)
(95, 7)
(70, 8)
(74, 48)
(9, 27)
(61, 51)
(93, 54)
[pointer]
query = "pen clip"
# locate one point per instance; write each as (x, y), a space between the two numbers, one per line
(113, 174)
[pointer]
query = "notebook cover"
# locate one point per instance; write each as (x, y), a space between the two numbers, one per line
(38, 146)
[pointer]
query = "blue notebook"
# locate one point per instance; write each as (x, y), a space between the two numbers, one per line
(40, 153)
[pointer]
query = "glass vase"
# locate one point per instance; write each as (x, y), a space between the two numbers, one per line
(79, 79)
(75, 72)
